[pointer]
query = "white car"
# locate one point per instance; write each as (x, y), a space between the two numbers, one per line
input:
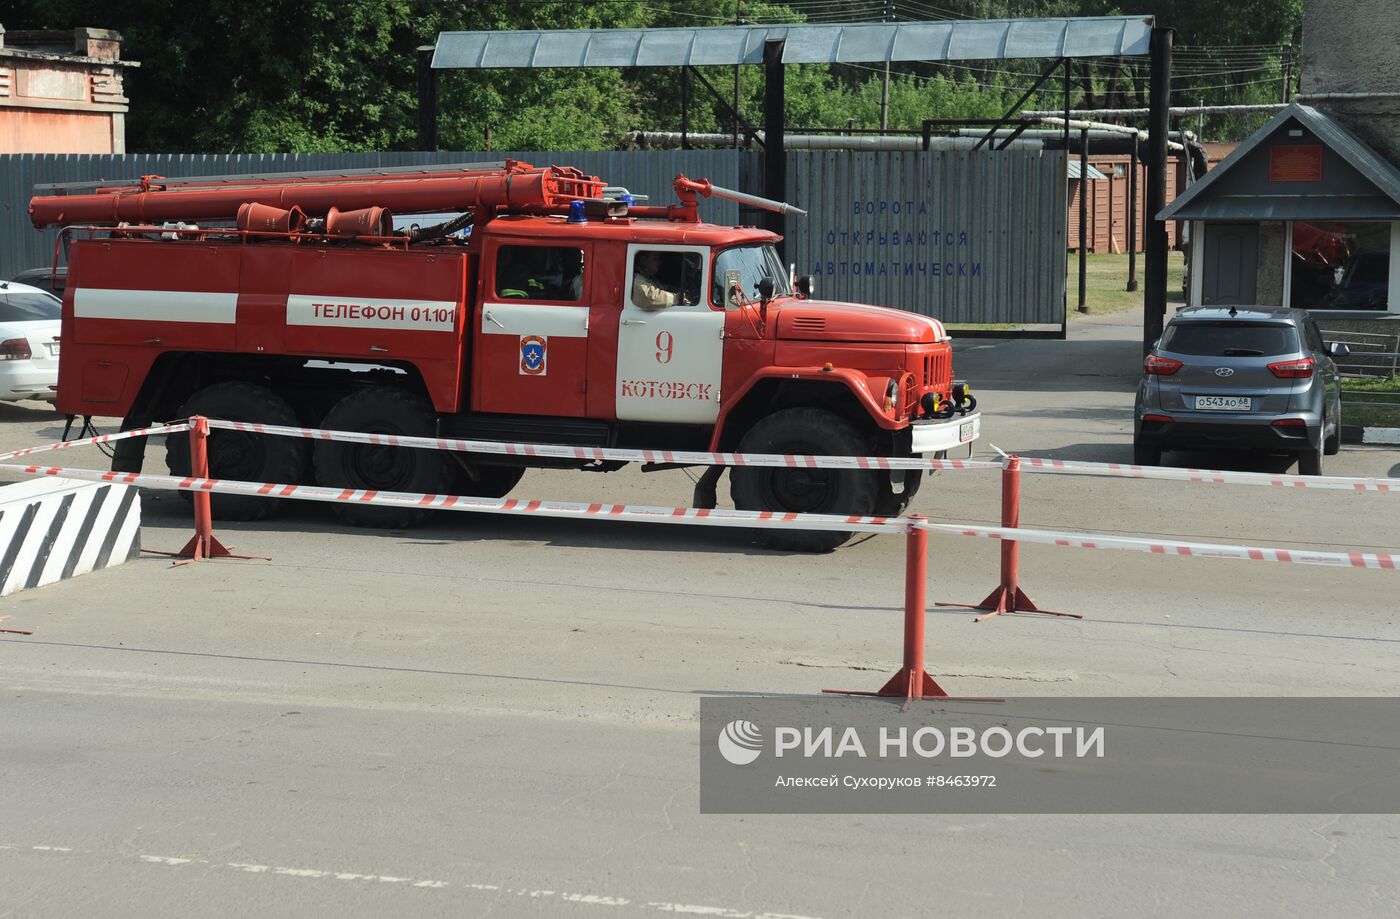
(29, 327)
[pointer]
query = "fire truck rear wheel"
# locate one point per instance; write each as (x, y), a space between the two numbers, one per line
(236, 455)
(797, 431)
(382, 410)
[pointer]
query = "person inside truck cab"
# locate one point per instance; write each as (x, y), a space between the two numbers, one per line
(652, 286)
(539, 273)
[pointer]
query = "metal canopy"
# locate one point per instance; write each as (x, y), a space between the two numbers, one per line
(988, 39)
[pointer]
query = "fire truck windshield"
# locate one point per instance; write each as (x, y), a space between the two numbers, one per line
(754, 263)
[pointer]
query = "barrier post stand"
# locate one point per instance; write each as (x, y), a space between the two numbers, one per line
(1008, 596)
(204, 544)
(911, 681)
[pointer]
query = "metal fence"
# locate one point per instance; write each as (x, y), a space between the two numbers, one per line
(966, 237)
(1373, 354)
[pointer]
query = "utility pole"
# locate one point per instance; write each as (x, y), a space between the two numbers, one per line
(738, 18)
(427, 100)
(1084, 205)
(885, 89)
(1154, 309)
(1287, 73)
(774, 156)
(1133, 217)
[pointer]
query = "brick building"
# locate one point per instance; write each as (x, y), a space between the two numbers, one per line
(61, 91)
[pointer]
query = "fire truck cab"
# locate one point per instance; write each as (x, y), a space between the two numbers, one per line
(565, 316)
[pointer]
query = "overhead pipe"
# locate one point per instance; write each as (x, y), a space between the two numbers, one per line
(1080, 125)
(672, 139)
(1175, 111)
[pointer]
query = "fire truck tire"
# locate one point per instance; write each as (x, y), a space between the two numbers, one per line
(490, 481)
(382, 410)
(889, 504)
(236, 455)
(797, 431)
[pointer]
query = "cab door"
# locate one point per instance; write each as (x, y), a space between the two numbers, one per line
(669, 357)
(532, 325)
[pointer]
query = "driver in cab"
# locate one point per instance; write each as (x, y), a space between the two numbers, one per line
(648, 289)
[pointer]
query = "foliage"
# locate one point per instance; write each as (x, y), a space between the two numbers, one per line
(327, 75)
(1387, 385)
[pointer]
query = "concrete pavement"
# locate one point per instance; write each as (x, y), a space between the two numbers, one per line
(496, 716)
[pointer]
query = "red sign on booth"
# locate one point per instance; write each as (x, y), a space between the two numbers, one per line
(1295, 163)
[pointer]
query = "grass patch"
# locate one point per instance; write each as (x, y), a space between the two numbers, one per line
(1368, 417)
(1106, 277)
(1379, 386)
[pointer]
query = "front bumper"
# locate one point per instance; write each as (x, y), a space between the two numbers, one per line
(931, 435)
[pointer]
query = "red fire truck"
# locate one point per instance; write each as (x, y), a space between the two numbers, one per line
(566, 314)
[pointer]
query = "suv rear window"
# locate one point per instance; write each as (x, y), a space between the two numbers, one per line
(1226, 339)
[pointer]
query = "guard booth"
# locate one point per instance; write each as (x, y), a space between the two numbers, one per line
(1302, 214)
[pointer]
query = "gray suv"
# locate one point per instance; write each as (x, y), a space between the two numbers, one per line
(1240, 378)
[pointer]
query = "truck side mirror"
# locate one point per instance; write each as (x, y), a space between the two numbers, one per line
(765, 289)
(806, 286)
(732, 286)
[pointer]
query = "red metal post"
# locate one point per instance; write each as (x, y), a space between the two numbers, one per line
(1008, 596)
(911, 681)
(204, 544)
(199, 468)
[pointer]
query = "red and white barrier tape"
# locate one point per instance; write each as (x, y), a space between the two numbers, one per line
(554, 451)
(688, 515)
(1386, 561)
(702, 517)
(100, 439)
(1212, 476)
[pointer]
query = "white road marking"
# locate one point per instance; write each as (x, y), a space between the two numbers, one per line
(685, 909)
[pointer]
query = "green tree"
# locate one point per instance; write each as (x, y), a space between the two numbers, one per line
(330, 75)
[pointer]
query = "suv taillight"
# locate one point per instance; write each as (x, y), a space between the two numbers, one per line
(1160, 366)
(1293, 370)
(15, 349)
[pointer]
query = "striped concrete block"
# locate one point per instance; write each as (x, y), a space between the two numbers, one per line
(1356, 434)
(54, 529)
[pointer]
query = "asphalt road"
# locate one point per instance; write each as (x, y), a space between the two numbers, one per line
(497, 716)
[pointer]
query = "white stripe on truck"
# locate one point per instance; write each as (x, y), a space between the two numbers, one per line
(339, 311)
(155, 305)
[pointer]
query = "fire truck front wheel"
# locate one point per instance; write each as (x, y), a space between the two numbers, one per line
(798, 431)
(240, 456)
(490, 481)
(382, 410)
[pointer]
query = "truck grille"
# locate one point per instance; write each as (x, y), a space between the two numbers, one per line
(937, 372)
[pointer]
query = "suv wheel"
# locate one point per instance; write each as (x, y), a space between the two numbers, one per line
(1310, 461)
(1333, 444)
(1145, 455)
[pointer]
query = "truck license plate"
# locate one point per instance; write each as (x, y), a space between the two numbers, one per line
(965, 432)
(1223, 403)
